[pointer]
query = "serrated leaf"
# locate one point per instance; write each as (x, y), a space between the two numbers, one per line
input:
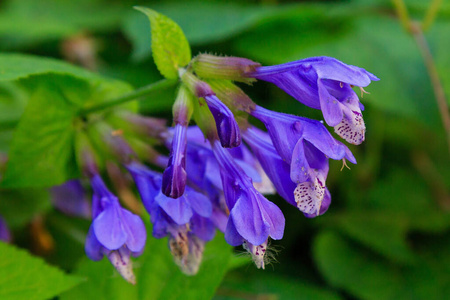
(23, 276)
(170, 47)
(42, 152)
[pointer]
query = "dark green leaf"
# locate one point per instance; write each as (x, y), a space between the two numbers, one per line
(382, 232)
(19, 206)
(367, 276)
(353, 270)
(27, 22)
(268, 285)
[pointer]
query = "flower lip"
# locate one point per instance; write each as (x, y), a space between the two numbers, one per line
(326, 67)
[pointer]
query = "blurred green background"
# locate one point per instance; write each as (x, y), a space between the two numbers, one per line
(387, 232)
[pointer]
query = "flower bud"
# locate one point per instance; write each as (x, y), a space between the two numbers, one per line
(227, 127)
(222, 67)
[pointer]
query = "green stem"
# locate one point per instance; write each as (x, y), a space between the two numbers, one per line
(434, 77)
(402, 13)
(431, 14)
(143, 91)
(416, 31)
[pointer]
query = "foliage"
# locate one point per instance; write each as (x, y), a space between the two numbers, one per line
(386, 235)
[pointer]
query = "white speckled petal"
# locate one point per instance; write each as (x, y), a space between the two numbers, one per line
(352, 127)
(309, 195)
(257, 253)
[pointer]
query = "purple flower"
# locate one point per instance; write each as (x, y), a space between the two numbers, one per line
(5, 235)
(274, 166)
(253, 218)
(205, 168)
(227, 128)
(305, 145)
(114, 231)
(71, 199)
(174, 177)
(148, 183)
(226, 125)
(324, 83)
(187, 220)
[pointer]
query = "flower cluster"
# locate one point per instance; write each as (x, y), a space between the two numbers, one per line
(216, 173)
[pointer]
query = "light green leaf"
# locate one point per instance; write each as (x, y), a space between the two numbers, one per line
(157, 276)
(169, 45)
(23, 276)
(42, 152)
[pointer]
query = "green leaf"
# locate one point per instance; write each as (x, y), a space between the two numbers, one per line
(268, 285)
(355, 271)
(384, 233)
(204, 22)
(20, 206)
(17, 66)
(157, 276)
(23, 276)
(367, 276)
(169, 45)
(13, 99)
(42, 152)
(57, 20)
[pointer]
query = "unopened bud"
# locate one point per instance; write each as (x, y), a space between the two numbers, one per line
(86, 157)
(222, 67)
